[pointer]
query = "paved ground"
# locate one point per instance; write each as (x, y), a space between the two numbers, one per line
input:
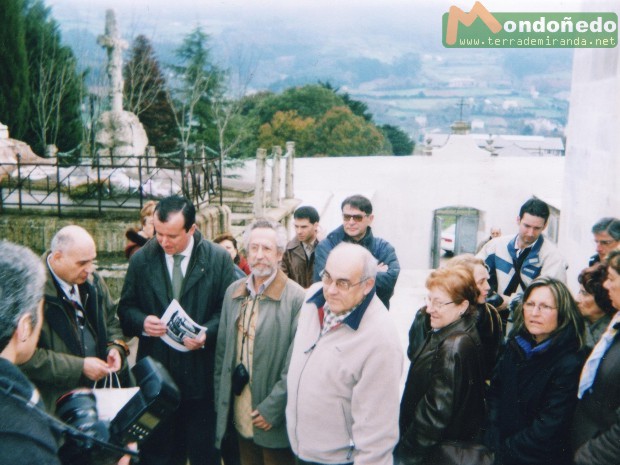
(408, 298)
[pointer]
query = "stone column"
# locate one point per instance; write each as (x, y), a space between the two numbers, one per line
(259, 190)
(275, 177)
(114, 45)
(289, 190)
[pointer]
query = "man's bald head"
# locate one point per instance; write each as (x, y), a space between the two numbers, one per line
(73, 253)
(349, 276)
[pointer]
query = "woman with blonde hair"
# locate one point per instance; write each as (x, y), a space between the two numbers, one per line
(137, 238)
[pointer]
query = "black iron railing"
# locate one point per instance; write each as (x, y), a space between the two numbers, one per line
(108, 184)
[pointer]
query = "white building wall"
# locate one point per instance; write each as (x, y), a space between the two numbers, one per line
(591, 185)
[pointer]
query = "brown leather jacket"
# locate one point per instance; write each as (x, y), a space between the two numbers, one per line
(296, 265)
(444, 392)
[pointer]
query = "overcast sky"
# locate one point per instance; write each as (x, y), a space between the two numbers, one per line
(216, 15)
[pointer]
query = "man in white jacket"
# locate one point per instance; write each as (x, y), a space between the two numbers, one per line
(344, 374)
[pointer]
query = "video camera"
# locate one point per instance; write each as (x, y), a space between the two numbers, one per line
(90, 441)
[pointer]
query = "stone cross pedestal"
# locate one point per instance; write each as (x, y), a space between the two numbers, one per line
(120, 136)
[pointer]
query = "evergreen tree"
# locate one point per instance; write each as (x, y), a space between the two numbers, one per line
(197, 81)
(401, 142)
(55, 84)
(14, 75)
(145, 95)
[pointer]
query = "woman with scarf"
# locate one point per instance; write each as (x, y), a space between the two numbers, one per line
(533, 390)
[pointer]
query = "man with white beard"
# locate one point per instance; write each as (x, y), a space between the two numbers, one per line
(257, 327)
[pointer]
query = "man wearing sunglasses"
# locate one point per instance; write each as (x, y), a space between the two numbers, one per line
(356, 220)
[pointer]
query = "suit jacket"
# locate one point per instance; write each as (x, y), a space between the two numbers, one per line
(148, 291)
(56, 366)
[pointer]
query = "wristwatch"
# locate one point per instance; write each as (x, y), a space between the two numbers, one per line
(120, 342)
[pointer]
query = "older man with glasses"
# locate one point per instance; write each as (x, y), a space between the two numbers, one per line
(343, 381)
(357, 217)
(606, 233)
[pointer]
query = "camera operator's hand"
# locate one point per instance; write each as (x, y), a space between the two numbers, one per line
(126, 459)
(154, 327)
(259, 421)
(195, 344)
(95, 368)
(114, 360)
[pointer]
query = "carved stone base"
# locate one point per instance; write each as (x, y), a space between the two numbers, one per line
(120, 138)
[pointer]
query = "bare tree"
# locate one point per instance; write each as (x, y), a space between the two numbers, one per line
(54, 75)
(227, 106)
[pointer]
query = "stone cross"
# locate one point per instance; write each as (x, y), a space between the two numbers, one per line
(114, 45)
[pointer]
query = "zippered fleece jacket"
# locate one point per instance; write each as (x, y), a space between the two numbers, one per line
(543, 260)
(343, 387)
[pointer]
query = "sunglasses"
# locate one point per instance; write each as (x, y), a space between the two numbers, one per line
(357, 218)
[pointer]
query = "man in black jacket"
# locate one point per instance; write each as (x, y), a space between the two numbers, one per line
(179, 264)
(25, 435)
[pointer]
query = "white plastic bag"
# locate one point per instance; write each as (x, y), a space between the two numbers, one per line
(111, 399)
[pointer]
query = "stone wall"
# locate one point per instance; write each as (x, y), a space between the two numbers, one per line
(36, 232)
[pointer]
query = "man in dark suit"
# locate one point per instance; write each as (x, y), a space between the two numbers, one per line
(179, 264)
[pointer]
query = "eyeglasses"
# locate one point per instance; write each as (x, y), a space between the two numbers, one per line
(357, 218)
(544, 308)
(605, 243)
(341, 284)
(434, 304)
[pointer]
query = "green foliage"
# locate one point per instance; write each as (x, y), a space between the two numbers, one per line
(400, 141)
(145, 95)
(288, 126)
(320, 121)
(196, 83)
(14, 74)
(340, 132)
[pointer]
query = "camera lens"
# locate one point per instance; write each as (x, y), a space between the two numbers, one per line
(78, 408)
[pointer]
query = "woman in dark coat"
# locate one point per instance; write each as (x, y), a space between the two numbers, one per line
(596, 427)
(594, 303)
(488, 321)
(533, 391)
(444, 392)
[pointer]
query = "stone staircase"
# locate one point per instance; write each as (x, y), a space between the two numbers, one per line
(239, 197)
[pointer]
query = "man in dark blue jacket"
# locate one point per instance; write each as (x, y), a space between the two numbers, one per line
(356, 220)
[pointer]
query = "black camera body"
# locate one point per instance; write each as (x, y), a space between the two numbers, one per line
(91, 441)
